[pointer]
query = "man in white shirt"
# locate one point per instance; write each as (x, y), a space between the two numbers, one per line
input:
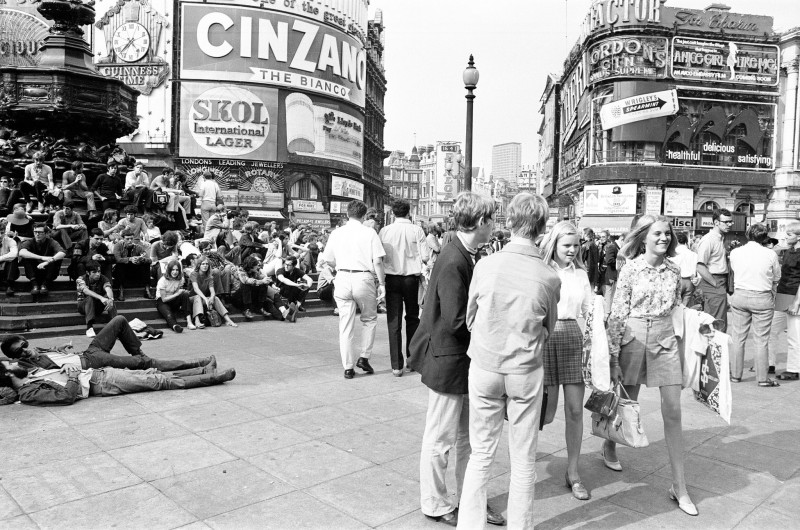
(137, 184)
(209, 195)
(686, 260)
(406, 251)
(357, 254)
(712, 266)
(756, 273)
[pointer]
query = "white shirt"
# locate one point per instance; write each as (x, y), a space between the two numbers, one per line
(755, 267)
(132, 180)
(686, 260)
(576, 292)
(405, 247)
(353, 247)
(207, 190)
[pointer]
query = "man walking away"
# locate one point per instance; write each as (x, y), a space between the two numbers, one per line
(406, 251)
(439, 353)
(591, 257)
(357, 254)
(712, 266)
(686, 260)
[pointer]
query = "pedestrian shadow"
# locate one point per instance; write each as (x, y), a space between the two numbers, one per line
(729, 472)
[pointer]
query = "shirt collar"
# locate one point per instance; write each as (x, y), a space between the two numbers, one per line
(402, 220)
(517, 240)
(470, 249)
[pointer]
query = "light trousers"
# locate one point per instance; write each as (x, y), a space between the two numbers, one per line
(778, 336)
(751, 309)
(356, 290)
(490, 396)
(446, 429)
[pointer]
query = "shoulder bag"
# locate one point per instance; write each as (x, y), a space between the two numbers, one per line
(213, 318)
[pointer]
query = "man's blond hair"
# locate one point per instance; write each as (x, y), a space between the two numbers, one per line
(470, 208)
(527, 215)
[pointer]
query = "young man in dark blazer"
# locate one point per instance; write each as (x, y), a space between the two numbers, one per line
(439, 353)
(609, 278)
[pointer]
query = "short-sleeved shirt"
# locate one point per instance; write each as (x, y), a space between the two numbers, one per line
(98, 286)
(755, 267)
(43, 174)
(790, 272)
(353, 247)
(711, 252)
(48, 247)
(60, 218)
(295, 275)
(204, 281)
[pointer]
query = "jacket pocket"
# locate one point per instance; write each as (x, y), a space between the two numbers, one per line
(627, 337)
(667, 342)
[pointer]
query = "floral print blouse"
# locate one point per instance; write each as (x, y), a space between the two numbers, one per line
(642, 291)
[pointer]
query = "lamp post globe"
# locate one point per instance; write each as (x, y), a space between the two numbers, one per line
(470, 77)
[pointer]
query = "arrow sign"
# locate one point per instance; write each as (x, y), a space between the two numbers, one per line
(637, 108)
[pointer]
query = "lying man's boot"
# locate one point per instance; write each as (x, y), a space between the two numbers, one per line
(175, 365)
(196, 381)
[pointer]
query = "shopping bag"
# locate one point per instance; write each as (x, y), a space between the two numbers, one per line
(595, 367)
(624, 426)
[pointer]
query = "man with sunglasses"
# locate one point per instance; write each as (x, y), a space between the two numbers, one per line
(41, 257)
(712, 266)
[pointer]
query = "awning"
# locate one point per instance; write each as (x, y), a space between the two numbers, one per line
(614, 224)
(266, 214)
(314, 220)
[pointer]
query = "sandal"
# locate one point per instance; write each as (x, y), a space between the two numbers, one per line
(232, 324)
(789, 376)
(769, 383)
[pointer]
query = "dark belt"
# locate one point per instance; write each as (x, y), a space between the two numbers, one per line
(721, 274)
(350, 270)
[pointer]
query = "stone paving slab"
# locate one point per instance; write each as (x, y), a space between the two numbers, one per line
(291, 444)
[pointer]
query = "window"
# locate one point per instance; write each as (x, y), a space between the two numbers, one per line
(414, 177)
(747, 208)
(304, 189)
(709, 206)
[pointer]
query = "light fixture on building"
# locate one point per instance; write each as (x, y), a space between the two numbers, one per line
(471, 76)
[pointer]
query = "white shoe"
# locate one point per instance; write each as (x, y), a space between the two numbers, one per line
(687, 506)
(90, 333)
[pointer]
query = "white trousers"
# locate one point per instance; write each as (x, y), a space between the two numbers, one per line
(356, 290)
(446, 429)
(490, 396)
(791, 323)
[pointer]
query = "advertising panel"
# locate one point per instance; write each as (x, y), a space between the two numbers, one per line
(571, 93)
(225, 121)
(609, 199)
(342, 187)
(248, 44)
(721, 134)
(725, 62)
(21, 36)
(448, 170)
(679, 202)
(652, 200)
(634, 56)
(638, 108)
(573, 160)
(254, 185)
(317, 129)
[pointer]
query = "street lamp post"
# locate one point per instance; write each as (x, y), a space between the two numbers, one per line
(470, 77)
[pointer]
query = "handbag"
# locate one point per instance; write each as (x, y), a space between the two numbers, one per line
(602, 402)
(624, 426)
(213, 318)
(549, 406)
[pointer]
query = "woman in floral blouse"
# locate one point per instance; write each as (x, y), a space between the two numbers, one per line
(642, 340)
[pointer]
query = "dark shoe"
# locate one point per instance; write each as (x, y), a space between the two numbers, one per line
(292, 315)
(35, 290)
(44, 290)
(10, 291)
(769, 383)
(177, 328)
(248, 315)
(349, 374)
(363, 363)
(121, 296)
(301, 309)
(210, 362)
(196, 381)
(450, 519)
(579, 491)
(789, 376)
(492, 517)
(264, 313)
(771, 370)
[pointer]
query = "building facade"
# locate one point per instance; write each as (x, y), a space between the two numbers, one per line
(442, 174)
(507, 161)
(664, 110)
(402, 178)
(283, 101)
(528, 180)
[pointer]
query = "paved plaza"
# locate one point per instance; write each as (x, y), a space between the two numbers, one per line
(291, 444)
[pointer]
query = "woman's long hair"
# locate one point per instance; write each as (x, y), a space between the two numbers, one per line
(634, 242)
(550, 243)
(174, 264)
(198, 265)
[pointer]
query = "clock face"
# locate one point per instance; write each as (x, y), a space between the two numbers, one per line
(131, 41)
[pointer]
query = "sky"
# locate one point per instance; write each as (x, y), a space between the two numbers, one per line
(516, 43)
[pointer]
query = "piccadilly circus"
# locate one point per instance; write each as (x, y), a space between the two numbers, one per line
(281, 99)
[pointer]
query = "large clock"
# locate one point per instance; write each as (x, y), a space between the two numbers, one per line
(131, 41)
